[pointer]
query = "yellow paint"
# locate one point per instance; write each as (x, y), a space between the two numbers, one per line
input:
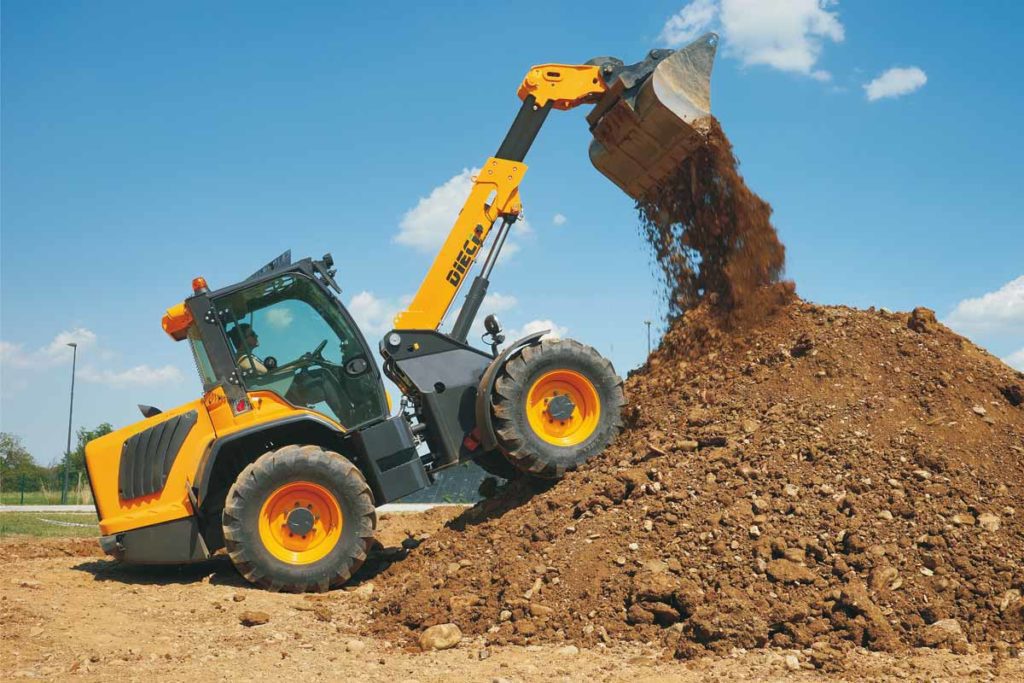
(585, 416)
(293, 548)
(215, 420)
(176, 321)
(494, 194)
(565, 85)
(103, 458)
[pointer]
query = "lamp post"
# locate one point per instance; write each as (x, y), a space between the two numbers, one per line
(71, 412)
(648, 323)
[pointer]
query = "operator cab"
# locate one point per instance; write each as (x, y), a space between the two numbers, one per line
(284, 331)
(288, 336)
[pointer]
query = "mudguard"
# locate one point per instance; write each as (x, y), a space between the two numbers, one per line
(488, 439)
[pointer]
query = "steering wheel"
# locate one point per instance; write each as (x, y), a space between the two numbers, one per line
(319, 349)
(314, 355)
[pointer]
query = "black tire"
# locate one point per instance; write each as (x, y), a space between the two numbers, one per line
(521, 445)
(258, 482)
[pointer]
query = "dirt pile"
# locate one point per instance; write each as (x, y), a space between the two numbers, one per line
(825, 478)
(710, 234)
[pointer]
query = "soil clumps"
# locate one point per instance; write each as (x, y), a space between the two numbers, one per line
(710, 234)
(795, 476)
(823, 479)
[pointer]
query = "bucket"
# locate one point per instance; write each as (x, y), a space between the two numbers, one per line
(653, 115)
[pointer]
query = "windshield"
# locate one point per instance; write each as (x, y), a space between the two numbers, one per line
(289, 337)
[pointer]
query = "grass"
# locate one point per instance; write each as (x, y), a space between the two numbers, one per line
(75, 497)
(42, 525)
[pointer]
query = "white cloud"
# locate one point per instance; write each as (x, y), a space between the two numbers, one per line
(996, 313)
(559, 219)
(58, 348)
(895, 82)
(280, 318)
(556, 331)
(50, 355)
(426, 226)
(56, 352)
(140, 375)
(13, 355)
(1015, 359)
(689, 22)
(372, 314)
(788, 35)
(499, 303)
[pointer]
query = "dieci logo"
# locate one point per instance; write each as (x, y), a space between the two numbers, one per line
(465, 257)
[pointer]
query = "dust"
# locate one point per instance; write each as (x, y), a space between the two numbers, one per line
(711, 235)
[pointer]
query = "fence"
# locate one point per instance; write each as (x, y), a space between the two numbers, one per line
(457, 484)
(26, 492)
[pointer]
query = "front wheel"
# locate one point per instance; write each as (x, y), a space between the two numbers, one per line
(299, 519)
(556, 404)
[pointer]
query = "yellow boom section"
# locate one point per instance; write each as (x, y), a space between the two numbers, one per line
(495, 194)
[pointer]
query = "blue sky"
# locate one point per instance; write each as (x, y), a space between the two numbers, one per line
(147, 143)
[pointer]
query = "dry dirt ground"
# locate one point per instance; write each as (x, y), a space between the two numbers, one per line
(68, 613)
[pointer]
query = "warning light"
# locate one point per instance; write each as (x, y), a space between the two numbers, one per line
(199, 285)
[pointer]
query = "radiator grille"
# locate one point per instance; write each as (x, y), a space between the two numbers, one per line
(146, 458)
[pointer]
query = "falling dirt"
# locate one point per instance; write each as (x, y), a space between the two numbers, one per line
(710, 234)
(824, 480)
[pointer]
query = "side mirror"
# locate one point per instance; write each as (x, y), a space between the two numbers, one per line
(148, 411)
(270, 363)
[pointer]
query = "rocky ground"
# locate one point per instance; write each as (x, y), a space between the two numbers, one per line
(67, 613)
(826, 480)
(828, 492)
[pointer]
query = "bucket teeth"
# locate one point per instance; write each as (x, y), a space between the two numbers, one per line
(653, 116)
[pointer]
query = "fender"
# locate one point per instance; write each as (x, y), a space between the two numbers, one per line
(206, 464)
(488, 439)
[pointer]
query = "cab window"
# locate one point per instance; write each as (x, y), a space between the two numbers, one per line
(288, 336)
(202, 359)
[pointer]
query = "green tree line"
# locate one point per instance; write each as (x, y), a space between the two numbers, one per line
(19, 469)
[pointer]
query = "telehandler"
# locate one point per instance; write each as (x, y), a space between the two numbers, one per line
(287, 453)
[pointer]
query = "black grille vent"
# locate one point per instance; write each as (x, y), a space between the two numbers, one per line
(146, 458)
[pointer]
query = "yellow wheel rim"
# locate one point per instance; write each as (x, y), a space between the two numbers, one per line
(549, 401)
(296, 507)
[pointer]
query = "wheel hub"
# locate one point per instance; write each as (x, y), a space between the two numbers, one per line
(563, 407)
(300, 521)
(560, 407)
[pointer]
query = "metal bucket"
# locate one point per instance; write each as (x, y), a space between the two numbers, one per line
(654, 114)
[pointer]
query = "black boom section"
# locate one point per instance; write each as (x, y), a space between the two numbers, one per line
(146, 458)
(443, 374)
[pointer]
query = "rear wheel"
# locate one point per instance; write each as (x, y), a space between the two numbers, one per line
(299, 519)
(556, 404)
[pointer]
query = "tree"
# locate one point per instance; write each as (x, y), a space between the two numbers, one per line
(76, 462)
(17, 467)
